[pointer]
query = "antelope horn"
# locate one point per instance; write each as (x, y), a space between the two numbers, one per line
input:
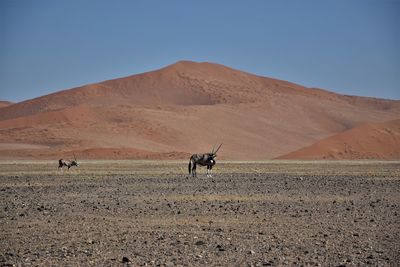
(218, 149)
(212, 152)
(74, 155)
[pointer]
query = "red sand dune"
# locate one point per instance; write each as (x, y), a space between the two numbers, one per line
(181, 109)
(367, 141)
(4, 103)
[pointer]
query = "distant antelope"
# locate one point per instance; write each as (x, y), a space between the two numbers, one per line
(207, 159)
(67, 163)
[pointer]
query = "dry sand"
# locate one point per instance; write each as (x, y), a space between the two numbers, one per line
(367, 141)
(181, 109)
(5, 103)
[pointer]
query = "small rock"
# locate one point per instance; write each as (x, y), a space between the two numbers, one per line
(199, 243)
(220, 248)
(125, 259)
(252, 252)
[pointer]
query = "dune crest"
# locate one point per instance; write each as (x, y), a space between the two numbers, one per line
(181, 109)
(367, 141)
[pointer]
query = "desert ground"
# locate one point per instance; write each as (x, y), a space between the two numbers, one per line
(151, 213)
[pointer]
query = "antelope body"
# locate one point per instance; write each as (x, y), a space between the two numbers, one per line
(207, 159)
(67, 163)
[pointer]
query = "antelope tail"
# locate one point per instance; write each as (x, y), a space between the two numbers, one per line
(190, 166)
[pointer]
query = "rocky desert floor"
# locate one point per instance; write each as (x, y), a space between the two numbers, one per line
(148, 213)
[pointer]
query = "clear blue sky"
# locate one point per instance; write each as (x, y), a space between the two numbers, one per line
(346, 46)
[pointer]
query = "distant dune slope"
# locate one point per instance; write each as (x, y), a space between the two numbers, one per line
(184, 108)
(4, 104)
(367, 141)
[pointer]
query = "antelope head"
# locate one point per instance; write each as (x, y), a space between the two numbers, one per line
(214, 153)
(75, 161)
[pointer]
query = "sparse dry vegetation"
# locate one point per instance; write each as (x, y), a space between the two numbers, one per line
(250, 214)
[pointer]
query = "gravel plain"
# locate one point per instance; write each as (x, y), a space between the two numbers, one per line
(149, 213)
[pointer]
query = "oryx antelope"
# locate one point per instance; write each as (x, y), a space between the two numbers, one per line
(67, 163)
(207, 159)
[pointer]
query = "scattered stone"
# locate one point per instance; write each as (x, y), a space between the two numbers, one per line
(220, 248)
(247, 238)
(199, 243)
(125, 259)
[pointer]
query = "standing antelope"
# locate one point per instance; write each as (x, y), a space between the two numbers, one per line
(207, 159)
(67, 163)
